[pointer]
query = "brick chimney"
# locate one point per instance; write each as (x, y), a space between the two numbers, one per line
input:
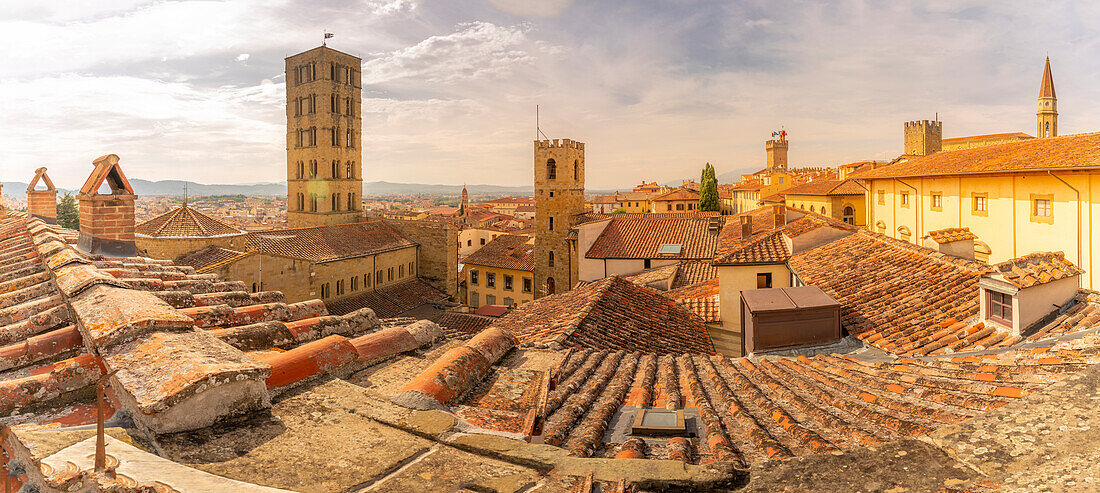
(746, 225)
(107, 220)
(779, 214)
(42, 203)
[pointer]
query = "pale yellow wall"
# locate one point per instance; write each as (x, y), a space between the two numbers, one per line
(1007, 226)
(732, 279)
(636, 206)
(301, 280)
(677, 205)
(833, 205)
(516, 293)
(476, 238)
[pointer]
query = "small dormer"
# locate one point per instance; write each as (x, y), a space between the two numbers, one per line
(1025, 290)
(957, 242)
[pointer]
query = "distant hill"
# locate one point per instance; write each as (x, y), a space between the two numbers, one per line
(17, 190)
(732, 176)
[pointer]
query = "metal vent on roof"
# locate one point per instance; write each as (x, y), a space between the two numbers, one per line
(670, 249)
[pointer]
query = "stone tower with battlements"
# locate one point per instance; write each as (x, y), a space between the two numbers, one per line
(324, 138)
(777, 154)
(923, 137)
(1046, 119)
(559, 199)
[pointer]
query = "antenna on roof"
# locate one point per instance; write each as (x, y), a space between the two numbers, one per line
(538, 131)
(185, 193)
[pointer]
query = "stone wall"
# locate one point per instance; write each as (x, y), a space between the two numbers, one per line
(438, 256)
(171, 248)
(558, 200)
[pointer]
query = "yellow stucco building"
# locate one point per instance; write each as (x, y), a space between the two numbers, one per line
(843, 200)
(1018, 197)
(501, 272)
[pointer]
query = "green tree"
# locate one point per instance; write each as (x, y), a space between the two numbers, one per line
(708, 190)
(68, 215)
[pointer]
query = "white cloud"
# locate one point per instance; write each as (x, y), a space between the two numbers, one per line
(758, 22)
(475, 51)
(243, 57)
(532, 8)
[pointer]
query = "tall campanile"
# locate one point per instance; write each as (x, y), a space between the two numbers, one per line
(1046, 119)
(559, 199)
(324, 138)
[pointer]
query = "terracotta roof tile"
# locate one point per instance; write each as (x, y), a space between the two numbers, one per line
(390, 300)
(949, 235)
(612, 313)
(209, 256)
(328, 243)
(457, 325)
(1037, 268)
(958, 140)
(642, 238)
(184, 221)
(505, 252)
(1079, 151)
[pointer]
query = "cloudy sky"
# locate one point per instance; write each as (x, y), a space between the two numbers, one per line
(195, 90)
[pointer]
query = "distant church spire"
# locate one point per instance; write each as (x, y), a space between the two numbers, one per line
(465, 201)
(1046, 119)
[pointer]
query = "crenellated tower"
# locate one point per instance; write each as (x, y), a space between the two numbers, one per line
(1046, 119)
(324, 138)
(923, 137)
(559, 199)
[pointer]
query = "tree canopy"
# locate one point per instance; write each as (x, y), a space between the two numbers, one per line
(708, 190)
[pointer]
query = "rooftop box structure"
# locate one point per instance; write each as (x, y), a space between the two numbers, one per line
(787, 317)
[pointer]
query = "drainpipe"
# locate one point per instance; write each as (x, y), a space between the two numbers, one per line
(917, 234)
(1078, 192)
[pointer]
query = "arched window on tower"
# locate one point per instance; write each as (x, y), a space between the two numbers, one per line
(335, 168)
(301, 170)
(313, 203)
(351, 202)
(1046, 131)
(550, 261)
(551, 170)
(301, 202)
(549, 285)
(348, 170)
(313, 169)
(335, 201)
(576, 165)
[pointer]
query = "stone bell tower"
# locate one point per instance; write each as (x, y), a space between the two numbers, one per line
(1046, 119)
(324, 138)
(559, 199)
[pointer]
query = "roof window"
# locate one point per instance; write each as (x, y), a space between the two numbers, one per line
(658, 422)
(670, 249)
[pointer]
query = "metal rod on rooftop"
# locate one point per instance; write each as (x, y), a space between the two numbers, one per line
(100, 439)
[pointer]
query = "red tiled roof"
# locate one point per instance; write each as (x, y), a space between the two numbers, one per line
(827, 187)
(642, 238)
(702, 298)
(612, 313)
(492, 310)
(390, 300)
(1037, 268)
(604, 199)
(753, 410)
(328, 243)
(505, 252)
(770, 249)
(949, 235)
(1046, 89)
(206, 257)
(589, 217)
(1081, 151)
(678, 194)
(184, 221)
(956, 140)
(457, 325)
(897, 296)
(511, 200)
